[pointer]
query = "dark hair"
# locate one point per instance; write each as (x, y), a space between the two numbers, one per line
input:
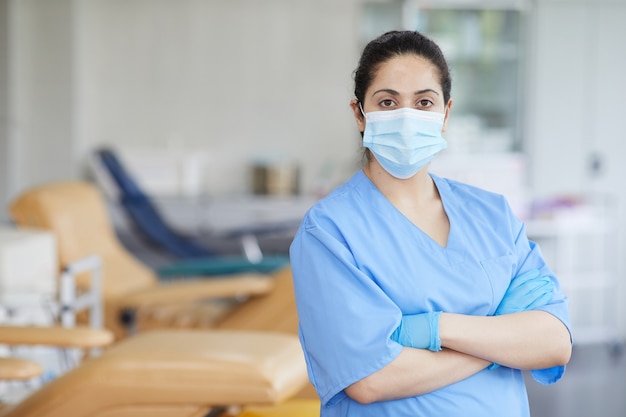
(396, 43)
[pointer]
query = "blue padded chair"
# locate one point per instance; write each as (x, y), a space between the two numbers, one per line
(193, 258)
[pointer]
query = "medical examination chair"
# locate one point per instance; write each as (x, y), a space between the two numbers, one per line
(132, 296)
(76, 214)
(192, 255)
(172, 373)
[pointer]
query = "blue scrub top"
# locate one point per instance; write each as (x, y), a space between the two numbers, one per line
(359, 265)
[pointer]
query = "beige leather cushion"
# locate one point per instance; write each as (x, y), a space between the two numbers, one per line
(78, 337)
(18, 369)
(275, 311)
(173, 368)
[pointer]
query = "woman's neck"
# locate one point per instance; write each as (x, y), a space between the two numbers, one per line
(417, 191)
(417, 198)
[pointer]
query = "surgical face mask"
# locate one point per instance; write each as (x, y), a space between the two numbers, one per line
(404, 140)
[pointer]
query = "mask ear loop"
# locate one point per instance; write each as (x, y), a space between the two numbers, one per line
(362, 113)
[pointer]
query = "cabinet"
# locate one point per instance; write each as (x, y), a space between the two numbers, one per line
(582, 247)
(574, 141)
(484, 46)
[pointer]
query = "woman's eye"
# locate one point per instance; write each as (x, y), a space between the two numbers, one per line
(424, 103)
(386, 103)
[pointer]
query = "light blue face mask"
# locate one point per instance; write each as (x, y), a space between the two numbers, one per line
(404, 140)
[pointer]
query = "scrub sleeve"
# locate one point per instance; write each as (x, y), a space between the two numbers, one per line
(351, 309)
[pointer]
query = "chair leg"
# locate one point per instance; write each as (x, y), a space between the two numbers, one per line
(216, 412)
(128, 318)
(251, 248)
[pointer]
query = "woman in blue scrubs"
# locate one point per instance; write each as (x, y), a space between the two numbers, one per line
(418, 295)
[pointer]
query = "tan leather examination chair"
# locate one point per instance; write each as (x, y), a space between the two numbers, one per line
(175, 373)
(132, 296)
(76, 214)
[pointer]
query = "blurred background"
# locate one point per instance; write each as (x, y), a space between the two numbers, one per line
(235, 113)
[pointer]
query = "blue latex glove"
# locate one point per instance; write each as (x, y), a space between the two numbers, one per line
(419, 331)
(526, 292)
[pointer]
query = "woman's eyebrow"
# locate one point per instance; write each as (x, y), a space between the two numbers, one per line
(427, 90)
(395, 93)
(386, 90)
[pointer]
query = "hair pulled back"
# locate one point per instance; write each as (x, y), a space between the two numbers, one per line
(397, 43)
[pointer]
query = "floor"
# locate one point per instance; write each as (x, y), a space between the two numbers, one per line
(594, 385)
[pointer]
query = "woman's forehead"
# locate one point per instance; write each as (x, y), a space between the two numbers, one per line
(407, 72)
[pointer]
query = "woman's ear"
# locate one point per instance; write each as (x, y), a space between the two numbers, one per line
(447, 112)
(358, 115)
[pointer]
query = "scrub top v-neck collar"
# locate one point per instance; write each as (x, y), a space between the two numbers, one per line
(454, 250)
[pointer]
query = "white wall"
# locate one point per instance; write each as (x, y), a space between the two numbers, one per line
(40, 90)
(236, 79)
(4, 107)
